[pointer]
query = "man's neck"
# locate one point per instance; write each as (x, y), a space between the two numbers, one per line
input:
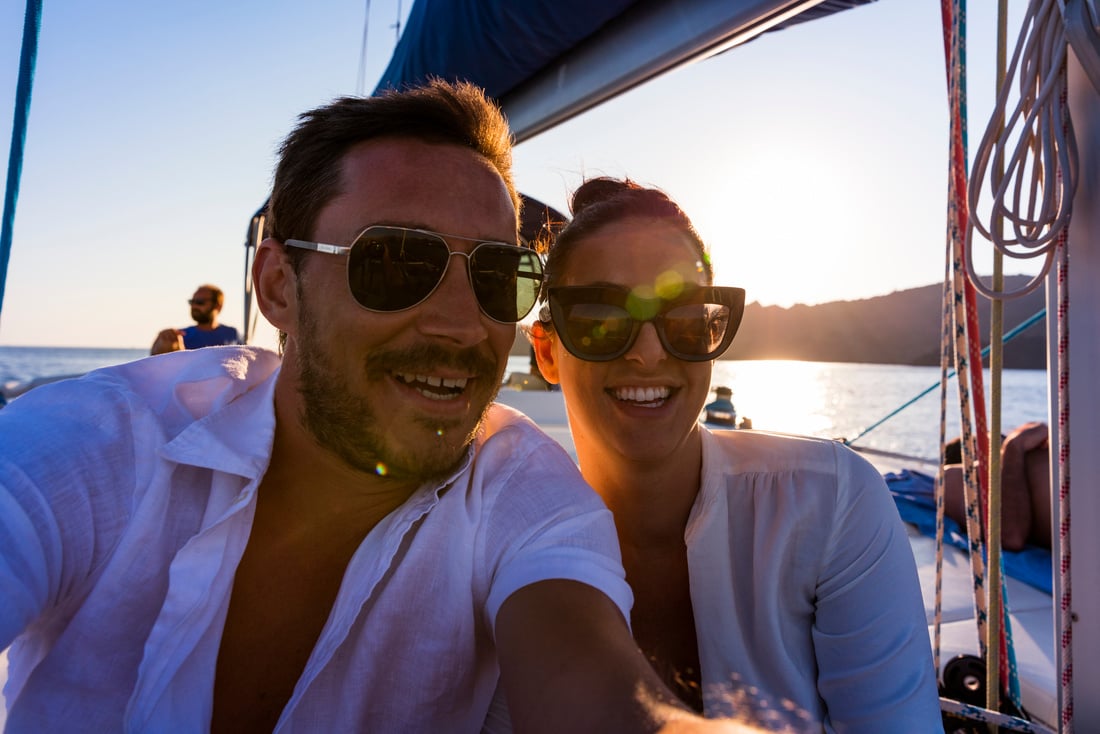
(322, 486)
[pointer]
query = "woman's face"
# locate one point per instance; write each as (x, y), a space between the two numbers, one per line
(646, 403)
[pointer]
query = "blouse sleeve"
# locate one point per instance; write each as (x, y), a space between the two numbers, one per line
(870, 634)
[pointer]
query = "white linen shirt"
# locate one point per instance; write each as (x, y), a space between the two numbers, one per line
(804, 588)
(126, 502)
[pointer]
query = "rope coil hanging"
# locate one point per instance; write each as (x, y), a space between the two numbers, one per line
(1035, 193)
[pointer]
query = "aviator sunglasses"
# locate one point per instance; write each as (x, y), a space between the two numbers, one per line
(601, 323)
(396, 268)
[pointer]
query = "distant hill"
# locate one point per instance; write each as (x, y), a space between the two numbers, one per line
(900, 328)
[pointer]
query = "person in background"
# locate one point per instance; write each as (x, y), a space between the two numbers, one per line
(348, 537)
(206, 304)
(720, 411)
(1025, 487)
(759, 562)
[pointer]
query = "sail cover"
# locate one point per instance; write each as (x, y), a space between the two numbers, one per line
(545, 61)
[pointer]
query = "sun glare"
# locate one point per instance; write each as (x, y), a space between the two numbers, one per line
(782, 398)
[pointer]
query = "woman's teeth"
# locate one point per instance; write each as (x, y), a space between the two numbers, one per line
(643, 395)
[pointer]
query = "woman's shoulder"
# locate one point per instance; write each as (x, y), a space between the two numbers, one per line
(752, 450)
(787, 460)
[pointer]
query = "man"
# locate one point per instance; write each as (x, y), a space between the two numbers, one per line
(348, 540)
(1025, 487)
(206, 304)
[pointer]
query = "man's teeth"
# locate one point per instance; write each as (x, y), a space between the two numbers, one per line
(459, 382)
(456, 384)
(643, 394)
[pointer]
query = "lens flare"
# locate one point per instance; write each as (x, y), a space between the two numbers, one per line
(669, 284)
(643, 303)
(381, 470)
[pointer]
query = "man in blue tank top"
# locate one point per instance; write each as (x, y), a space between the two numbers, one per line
(206, 304)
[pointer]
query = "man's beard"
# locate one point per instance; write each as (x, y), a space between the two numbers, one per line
(346, 424)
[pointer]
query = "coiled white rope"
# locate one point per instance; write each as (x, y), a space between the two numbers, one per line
(1036, 143)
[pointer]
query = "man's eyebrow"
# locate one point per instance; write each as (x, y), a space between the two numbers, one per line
(510, 239)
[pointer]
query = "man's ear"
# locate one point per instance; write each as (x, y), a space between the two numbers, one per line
(275, 284)
(543, 344)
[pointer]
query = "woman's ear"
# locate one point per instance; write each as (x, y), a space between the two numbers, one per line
(275, 284)
(543, 344)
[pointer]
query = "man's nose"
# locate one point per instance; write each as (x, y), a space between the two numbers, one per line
(452, 310)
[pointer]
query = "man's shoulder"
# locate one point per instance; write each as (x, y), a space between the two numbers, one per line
(505, 422)
(234, 368)
(222, 334)
(190, 383)
(509, 443)
(154, 398)
(228, 331)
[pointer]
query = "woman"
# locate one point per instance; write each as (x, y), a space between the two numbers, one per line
(763, 566)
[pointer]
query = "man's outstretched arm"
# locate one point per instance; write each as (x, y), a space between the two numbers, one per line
(569, 663)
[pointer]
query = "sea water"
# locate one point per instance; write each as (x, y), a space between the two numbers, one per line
(20, 365)
(844, 400)
(827, 399)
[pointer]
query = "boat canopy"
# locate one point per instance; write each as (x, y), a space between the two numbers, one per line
(546, 61)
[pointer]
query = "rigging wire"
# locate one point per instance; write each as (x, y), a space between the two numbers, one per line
(397, 25)
(361, 79)
(957, 305)
(1065, 600)
(1001, 667)
(1007, 337)
(1035, 192)
(32, 25)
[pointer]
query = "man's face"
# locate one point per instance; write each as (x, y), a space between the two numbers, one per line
(401, 394)
(203, 306)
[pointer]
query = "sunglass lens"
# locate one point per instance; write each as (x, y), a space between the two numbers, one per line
(506, 280)
(595, 330)
(695, 331)
(392, 270)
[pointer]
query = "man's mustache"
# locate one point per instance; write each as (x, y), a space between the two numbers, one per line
(427, 357)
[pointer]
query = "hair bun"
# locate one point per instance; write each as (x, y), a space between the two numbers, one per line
(596, 190)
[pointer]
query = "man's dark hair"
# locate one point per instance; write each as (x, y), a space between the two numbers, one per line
(216, 292)
(308, 175)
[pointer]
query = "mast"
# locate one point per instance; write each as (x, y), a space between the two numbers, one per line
(1084, 419)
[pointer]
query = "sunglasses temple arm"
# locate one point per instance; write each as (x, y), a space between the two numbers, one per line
(319, 247)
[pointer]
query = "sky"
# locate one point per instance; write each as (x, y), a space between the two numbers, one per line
(813, 160)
